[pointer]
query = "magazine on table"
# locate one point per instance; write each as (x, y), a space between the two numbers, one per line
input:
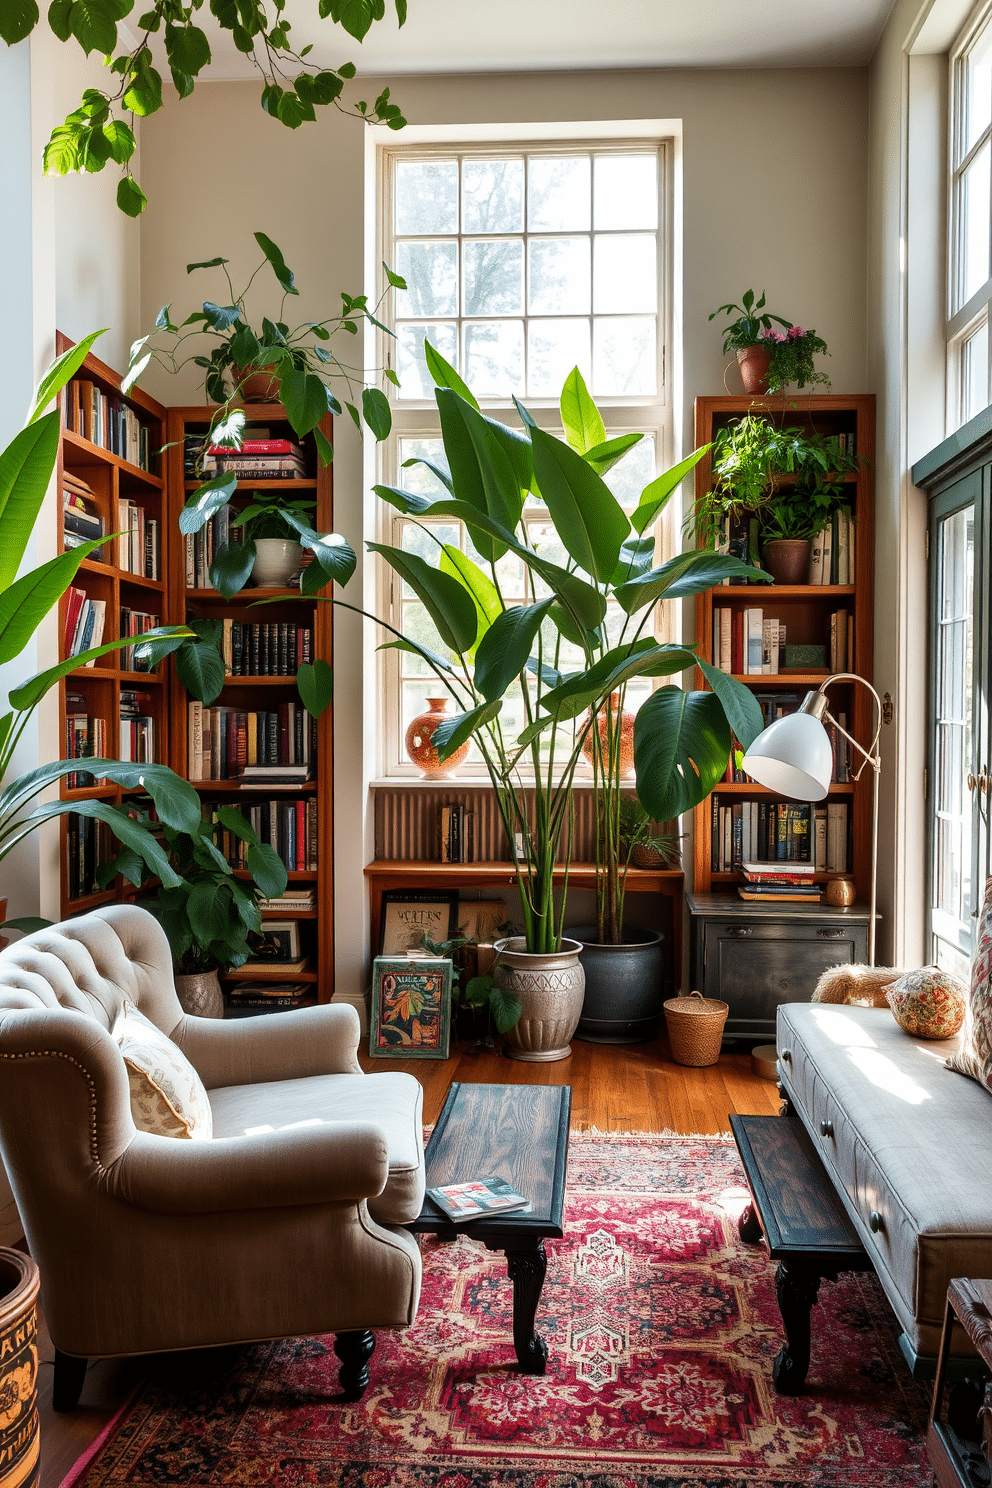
(474, 1200)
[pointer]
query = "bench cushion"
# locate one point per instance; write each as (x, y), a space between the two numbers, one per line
(910, 1140)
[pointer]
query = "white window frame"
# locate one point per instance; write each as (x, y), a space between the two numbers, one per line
(417, 418)
(963, 319)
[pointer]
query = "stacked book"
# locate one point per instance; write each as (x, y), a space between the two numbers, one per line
(139, 548)
(137, 729)
(456, 835)
(764, 883)
(224, 744)
(269, 650)
(290, 829)
(81, 520)
(831, 557)
(84, 622)
(105, 420)
(88, 846)
(257, 459)
(136, 623)
(85, 737)
(246, 999)
(298, 899)
(769, 832)
(747, 642)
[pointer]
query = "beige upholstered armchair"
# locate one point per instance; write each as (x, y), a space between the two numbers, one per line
(285, 1222)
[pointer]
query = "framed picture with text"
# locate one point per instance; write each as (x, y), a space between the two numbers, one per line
(410, 914)
(411, 1007)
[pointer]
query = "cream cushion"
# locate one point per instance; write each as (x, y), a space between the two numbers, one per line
(168, 1098)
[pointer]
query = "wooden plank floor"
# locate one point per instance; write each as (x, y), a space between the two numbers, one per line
(633, 1088)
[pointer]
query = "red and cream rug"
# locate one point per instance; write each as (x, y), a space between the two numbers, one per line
(661, 1325)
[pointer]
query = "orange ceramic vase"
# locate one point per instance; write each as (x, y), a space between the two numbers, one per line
(626, 736)
(422, 751)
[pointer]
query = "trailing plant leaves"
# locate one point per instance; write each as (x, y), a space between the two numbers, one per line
(448, 603)
(26, 467)
(504, 649)
(325, 450)
(681, 747)
(231, 567)
(206, 501)
(275, 258)
(739, 703)
(581, 419)
(200, 668)
(504, 1008)
(587, 516)
(452, 733)
(375, 406)
(315, 681)
(655, 496)
(131, 200)
(687, 573)
(304, 397)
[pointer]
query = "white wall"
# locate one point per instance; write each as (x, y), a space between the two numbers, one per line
(775, 198)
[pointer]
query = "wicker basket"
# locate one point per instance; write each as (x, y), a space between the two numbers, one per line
(695, 1028)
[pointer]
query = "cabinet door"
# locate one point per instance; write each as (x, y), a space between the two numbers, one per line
(756, 967)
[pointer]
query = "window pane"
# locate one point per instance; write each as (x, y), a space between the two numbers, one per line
(978, 108)
(558, 192)
(975, 373)
(624, 355)
(975, 224)
(625, 191)
(494, 358)
(494, 278)
(431, 274)
(558, 276)
(953, 744)
(415, 380)
(554, 347)
(493, 196)
(426, 196)
(625, 274)
(417, 478)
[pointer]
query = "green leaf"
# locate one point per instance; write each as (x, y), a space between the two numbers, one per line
(221, 317)
(125, 829)
(206, 501)
(431, 657)
(18, 19)
(25, 603)
(375, 406)
(27, 924)
(636, 558)
(646, 658)
(63, 152)
(231, 567)
(187, 48)
(581, 419)
(453, 732)
(210, 263)
(275, 258)
(200, 668)
(26, 467)
(448, 603)
(315, 682)
(655, 496)
(130, 197)
(586, 514)
(143, 95)
(305, 399)
(395, 280)
(60, 372)
(120, 140)
(29, 693)
(437, 471)
(681, 747)
(684, 575)
(334, 554)
(325, 450)
(505, 1008)
(443, 372)
(176, 802)
(481, 587)
(604, 456)
(267, 869)
(739, 703)
(505, 647)
(91, 22)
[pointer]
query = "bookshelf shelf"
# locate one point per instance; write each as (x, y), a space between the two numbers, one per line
(246, 484)
(772, 593)
(308, 787)
(249, 596)
(85, 452)
(751, 788)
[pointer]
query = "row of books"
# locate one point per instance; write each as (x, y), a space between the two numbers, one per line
(779, 832)
(767, 881)
(775, 705)
(257, 459)
(106, 420)
(89, 844)
(832, 551)
(81, 520)
(266, 650)
(136, 623)
(222, 742)
(139, 546)
(456, 835)
(86, 736)
(249, 999)
(747, 644)
(201, 547)
(290, 828)
(137, 729)
(85, 620)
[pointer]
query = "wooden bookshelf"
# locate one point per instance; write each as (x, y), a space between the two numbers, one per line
(806, 610)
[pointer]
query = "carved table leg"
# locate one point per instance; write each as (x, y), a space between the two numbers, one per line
(354, 1350)
(796, 1287)
(526, 1268)
(749, 1225)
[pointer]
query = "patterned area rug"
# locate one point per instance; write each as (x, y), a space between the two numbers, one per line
(662, 1327)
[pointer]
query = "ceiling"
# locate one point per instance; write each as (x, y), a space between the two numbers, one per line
(443, 36)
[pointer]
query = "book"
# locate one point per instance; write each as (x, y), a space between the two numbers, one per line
(753, 620)
(816, 560)
(474, 1200)
(760, 871)
(785, 895)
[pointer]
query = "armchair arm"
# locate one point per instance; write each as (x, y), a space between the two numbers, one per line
(281, 1046)
(343, 1162)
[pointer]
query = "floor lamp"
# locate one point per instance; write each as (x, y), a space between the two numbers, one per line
(793, 757)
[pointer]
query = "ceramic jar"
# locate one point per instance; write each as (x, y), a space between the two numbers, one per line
(626, 736)
(551, 988)
(276, 561)
(200, 995)
(420, 749)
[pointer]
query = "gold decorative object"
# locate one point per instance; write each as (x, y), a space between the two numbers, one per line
(840, 893)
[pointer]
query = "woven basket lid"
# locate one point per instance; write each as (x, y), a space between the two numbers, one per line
(697, 1003)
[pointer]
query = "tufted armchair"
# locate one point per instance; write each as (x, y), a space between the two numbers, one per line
(284, 1223)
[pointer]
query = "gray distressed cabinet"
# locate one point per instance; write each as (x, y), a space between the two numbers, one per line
(755, 956)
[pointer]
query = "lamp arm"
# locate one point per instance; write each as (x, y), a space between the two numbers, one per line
(871, 755)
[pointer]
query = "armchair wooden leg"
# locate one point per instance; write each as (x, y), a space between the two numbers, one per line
(68, 1382)
(354, 1350)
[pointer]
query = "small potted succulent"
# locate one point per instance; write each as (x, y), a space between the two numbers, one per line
(748, 336)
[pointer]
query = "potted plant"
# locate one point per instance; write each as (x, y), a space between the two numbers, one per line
(748, 336)
(479, 1006)
(489, 643)
(792, 359)
(268, 551)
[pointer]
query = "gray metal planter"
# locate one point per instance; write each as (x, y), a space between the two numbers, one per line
(625, 986)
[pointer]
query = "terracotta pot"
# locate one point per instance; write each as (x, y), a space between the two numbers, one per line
(260, 386)
(626, 736)
(551, 989)
(787, 559)
(754, 362)
(200, 995)
(276, 561)
(20, 1438)
(422, 751)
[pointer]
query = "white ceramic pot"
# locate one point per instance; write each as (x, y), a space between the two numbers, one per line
(276, 561)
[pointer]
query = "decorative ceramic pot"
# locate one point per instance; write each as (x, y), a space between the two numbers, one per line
(625, 986)
(20, 1437)
(200, 995)
(550, 988)
(276, 561)
(840, 892)
(754, 362)
(626, 736)
(786, 559)
(260, 386)
(422, 751)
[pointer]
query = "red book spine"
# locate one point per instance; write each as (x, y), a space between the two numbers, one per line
(737, 644)
(257, 447)
(232, 746)
(301, 835)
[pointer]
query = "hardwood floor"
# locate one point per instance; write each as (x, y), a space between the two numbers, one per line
(633, 1088)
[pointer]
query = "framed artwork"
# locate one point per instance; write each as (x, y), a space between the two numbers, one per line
(278, 940)
(480, 919)
(408, 915)
(411, 1007)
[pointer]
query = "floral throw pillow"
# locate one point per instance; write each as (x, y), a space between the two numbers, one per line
(168, 1098)
(974, 1058)
(928, 1003)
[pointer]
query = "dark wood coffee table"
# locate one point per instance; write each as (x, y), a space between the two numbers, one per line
(520, 1133)
(795, 1209)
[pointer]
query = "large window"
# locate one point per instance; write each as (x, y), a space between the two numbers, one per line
(521, 263)
(970, 265)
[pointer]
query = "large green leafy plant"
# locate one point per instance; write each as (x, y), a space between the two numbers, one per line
(493, 644)
(26, 469)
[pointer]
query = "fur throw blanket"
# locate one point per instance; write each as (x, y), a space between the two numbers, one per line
(857, 986)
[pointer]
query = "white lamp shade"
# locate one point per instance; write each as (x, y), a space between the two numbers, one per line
(793, 757)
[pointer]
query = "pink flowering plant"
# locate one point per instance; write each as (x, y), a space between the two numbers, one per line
(793, 351)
